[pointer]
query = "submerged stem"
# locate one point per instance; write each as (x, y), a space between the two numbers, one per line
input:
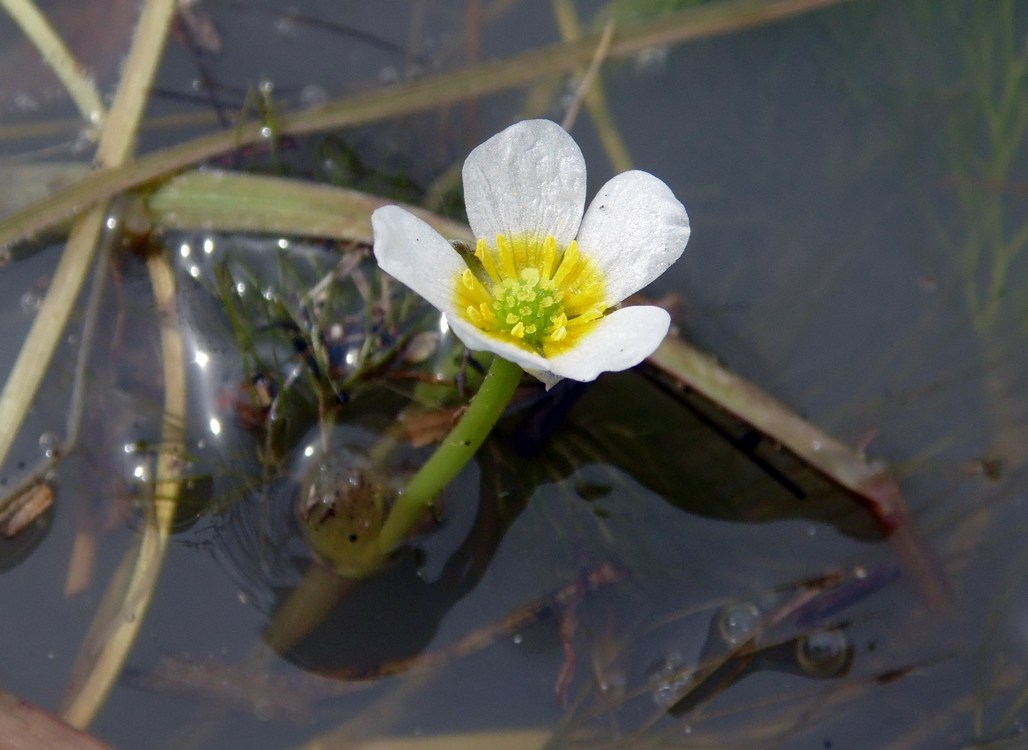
(452, 454)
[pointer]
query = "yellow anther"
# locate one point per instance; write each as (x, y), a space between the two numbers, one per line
(507, 268)
(518, 330)
(568, 264)
(488, 261)
(586, 316)
(549, 258)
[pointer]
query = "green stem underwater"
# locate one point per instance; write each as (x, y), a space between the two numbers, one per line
(324, 585)
(452, 454)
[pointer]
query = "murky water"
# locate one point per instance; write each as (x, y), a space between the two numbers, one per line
(630, 577)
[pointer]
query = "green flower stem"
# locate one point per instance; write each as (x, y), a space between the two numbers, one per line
(452, 454)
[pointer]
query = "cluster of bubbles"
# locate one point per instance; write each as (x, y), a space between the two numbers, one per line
(735, 631)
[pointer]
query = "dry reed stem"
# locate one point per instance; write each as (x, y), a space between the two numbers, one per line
(406, 98)
(116, 144)
(79, 85)
(591, 92)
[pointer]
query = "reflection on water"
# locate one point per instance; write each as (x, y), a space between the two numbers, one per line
(855, 178)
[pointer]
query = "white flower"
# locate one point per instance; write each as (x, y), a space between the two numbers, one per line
(543, 287)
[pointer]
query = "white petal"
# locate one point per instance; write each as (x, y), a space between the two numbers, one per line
(478, 341)
(620, 340)
(529, 178)
(414, 253)
(634, 229)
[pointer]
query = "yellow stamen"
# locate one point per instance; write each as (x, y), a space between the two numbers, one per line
(488, 262)
(533, 294)
(549, 258)
(508, 268)
(568, 263)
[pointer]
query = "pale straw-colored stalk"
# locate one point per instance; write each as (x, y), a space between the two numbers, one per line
(427, 93)
(116, 143)
(76, 81)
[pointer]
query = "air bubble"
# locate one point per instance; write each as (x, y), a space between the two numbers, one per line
(25, 103)
(285, 26)
(667, 680)
(824, 654)
(30, 301)
(83, 142)
(738, 622)
(313, 95)
(651, 60)
(612, 683)
(50, 444)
